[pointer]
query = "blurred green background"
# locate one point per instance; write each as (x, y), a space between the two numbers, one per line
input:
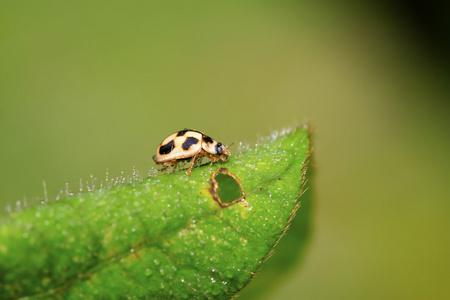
(88, 86)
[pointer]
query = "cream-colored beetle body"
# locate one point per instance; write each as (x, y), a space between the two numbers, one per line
(189, 144)
(172, 147)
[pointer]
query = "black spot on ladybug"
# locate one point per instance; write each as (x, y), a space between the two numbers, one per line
(207, 139)
(182, 132)
(167, 148)
(189, 142)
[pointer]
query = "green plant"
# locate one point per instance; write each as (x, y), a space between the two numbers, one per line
(168, 236)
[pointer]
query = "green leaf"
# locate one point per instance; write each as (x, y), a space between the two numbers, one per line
(289, 252)
(169, 236)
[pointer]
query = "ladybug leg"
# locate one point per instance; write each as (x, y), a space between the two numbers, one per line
(163, 168)
(168, 164)
(209, 156)
(191, 165)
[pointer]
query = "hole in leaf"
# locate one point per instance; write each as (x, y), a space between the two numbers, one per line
(226, 188)
(229, 190)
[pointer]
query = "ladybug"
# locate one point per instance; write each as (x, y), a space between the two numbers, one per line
(189, 144)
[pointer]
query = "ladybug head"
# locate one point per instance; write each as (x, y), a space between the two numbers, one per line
(222, 151)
